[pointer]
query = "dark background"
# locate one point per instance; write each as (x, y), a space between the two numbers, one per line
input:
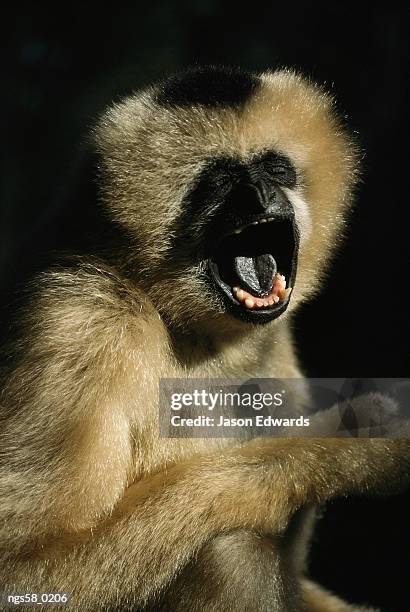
(62, 67)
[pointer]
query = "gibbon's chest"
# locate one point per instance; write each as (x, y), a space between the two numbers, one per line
(240, 361)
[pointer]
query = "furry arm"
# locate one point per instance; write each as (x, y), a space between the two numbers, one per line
(67, 523)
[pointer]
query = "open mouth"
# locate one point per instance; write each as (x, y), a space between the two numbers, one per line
(253, 266)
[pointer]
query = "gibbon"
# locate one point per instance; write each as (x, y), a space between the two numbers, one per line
(229, 192)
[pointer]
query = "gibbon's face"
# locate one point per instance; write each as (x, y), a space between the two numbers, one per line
(233, 188)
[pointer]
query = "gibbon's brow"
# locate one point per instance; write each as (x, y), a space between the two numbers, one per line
(209, 86)
(219, 174)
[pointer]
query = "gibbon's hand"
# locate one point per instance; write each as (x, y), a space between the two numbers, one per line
(367, 416)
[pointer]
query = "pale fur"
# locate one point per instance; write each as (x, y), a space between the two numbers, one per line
(92, 501)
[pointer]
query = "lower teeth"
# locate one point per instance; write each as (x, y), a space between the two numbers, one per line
(279, 294)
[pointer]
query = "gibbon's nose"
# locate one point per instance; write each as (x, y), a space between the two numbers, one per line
(248, 198)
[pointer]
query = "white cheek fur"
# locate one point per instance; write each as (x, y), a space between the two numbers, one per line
(302, 213)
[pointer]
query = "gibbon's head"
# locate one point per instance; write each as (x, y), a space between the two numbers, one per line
(233, 187)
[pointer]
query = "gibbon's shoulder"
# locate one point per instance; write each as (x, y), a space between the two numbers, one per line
(85, 302)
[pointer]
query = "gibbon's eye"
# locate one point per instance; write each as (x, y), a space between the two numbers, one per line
(276, 168)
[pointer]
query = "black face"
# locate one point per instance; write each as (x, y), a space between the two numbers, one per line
(242, 223)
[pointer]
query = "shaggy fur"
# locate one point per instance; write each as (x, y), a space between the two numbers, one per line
(92, 501)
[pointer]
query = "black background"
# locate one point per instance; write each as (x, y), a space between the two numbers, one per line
(63, 66)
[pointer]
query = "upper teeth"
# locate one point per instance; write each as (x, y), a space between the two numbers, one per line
(238, 230)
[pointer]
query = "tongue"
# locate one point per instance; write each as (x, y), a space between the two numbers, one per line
(256, 274)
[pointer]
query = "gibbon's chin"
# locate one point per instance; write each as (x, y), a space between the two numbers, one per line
(252, 266)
